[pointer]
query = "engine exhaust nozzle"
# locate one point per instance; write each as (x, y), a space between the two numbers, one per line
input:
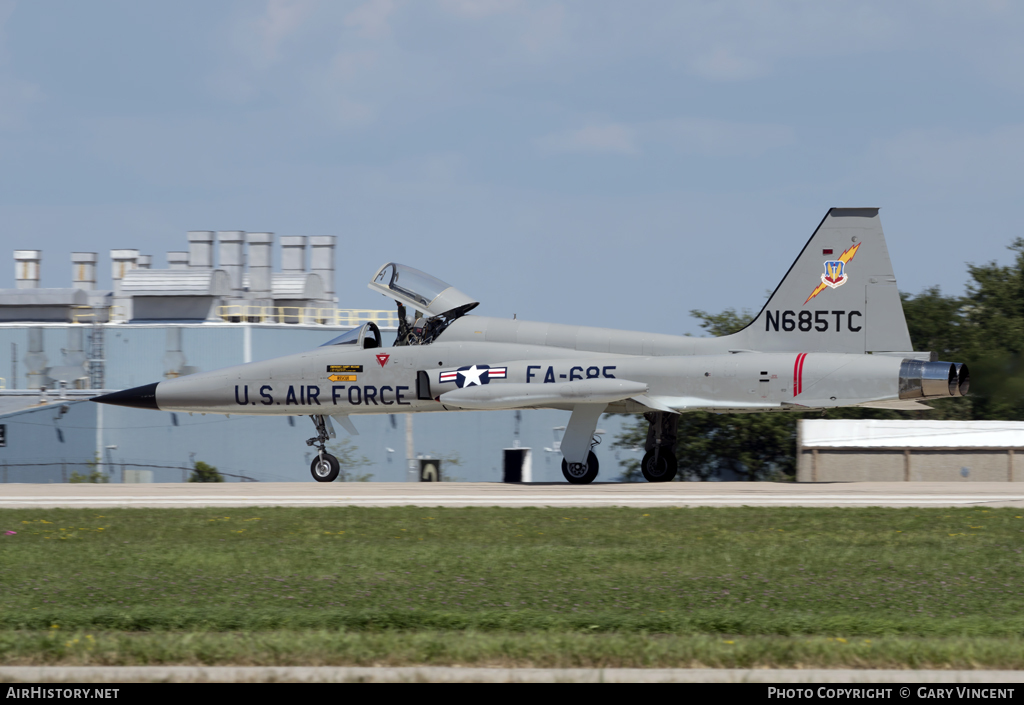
(963, 380)
(930, 380)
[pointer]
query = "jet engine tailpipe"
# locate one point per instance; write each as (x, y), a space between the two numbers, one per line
(963, 379)
(933, 380)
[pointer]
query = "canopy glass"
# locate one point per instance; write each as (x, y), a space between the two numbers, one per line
(420, 290)
(411, 283)
(364, 336)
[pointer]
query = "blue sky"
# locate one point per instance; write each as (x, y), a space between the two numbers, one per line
(606, 163)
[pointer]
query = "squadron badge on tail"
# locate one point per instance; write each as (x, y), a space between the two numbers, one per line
(835, 272)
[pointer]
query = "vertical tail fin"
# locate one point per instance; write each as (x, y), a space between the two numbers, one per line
(838, 296)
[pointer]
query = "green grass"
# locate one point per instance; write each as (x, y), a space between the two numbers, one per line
(502, 649)
(541, 586)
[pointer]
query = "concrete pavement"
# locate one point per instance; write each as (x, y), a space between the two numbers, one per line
(469, 494)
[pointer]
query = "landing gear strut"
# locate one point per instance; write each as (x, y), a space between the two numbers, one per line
(659, 463)
(579, 464)
(325, 467)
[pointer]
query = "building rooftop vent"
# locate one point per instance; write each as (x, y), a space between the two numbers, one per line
(43, 297)
(176, 282)
(297, 286)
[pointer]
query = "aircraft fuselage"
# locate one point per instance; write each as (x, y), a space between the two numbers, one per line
(390, 380)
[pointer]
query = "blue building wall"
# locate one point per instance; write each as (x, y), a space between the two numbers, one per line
(46, 444)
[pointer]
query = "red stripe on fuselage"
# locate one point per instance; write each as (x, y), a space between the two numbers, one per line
(803, 358)
(798, 374)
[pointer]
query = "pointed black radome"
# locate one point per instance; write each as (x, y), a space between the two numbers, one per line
(143, 397)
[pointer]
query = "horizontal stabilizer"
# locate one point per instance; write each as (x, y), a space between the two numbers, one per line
(653, 403)
(679, 404)
(897, 405)
(514, 396)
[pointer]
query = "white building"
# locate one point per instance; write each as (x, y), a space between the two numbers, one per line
(910, 451)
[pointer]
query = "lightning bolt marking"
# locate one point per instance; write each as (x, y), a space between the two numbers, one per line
(847, 255)
(817, 290)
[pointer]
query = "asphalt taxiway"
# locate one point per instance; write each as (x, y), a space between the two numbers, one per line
(450, 674)
(484, 494)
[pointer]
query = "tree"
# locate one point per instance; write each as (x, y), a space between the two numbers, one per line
(349, 459)
(95, 476)
(985, 329)
(202, 472)
(452, 460)
(990, 328)
(727, 322)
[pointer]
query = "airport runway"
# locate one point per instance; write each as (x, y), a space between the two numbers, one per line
(454, 674)
(484, 494)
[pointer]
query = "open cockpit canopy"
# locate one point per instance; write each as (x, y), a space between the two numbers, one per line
(420, 291)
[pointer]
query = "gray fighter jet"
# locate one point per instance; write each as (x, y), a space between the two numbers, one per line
(831, 335)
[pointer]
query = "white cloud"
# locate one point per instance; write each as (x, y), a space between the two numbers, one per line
(255, 42)
(545, 30)
(945, 163)
(731, 41)
(348, 65)
(280, 20)
(372, 19)
(608, 138)
(724, 64)
(735, 41)
(409, 57)
(16, 95)
(720, 137)
(479, 8)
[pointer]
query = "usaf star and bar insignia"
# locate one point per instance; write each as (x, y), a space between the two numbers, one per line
(473, 375)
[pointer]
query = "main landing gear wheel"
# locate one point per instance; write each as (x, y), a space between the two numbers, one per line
(581, 474)
(660, 467)
(326, 468)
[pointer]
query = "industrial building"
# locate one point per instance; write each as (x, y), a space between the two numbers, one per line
(217, 304)
(910, 451)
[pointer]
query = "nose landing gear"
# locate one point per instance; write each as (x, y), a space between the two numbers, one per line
(325, 467)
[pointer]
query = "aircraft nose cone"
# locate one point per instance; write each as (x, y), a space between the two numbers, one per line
(143, 397)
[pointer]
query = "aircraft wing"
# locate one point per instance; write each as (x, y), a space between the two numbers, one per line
(516, 396)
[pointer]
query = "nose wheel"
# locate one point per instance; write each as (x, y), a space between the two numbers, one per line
(325, 467)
